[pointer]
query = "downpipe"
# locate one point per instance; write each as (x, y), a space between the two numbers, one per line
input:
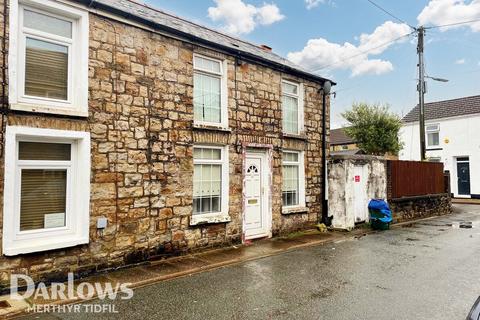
(325, 90)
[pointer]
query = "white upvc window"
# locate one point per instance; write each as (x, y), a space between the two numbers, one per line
(210, 184)
(47, 189)
(210, 92)
(48, 57)
(293, 187)
(292, 107)
(433, 135)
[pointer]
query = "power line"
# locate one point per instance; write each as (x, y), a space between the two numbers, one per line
(364, 52)
(452, 24)
(390, 14)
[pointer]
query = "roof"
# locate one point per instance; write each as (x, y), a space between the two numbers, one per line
(446, 109)
(161, 20)
(346, 152)
(338, 137)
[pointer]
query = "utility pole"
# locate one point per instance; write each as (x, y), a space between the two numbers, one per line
(421, 90)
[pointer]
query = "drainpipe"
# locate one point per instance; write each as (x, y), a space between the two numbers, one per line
(327, 85)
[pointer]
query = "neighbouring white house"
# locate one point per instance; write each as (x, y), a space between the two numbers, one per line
(452, 130)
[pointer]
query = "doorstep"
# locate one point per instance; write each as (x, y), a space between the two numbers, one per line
(465, 201)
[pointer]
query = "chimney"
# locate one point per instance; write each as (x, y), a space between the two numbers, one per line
(266, 48)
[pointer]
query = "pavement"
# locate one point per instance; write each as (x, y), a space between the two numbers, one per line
(423, 270)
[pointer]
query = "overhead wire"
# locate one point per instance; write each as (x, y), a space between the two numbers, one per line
(364, 52)
(391, 14)
(452, 24)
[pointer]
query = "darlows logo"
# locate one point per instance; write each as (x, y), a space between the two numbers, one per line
(62, 291)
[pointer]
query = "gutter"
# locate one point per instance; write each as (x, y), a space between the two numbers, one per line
(235, 52)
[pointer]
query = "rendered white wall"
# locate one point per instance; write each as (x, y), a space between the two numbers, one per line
(341, 186)
(463, 135)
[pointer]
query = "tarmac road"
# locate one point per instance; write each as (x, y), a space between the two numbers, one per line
(427, 270)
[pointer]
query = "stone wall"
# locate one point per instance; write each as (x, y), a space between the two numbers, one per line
(417, 207)
(411, 208)
(142, 136)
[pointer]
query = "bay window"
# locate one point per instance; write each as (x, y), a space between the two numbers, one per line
(47, 184)
(293, 187)
(209, 92)
(48, 57)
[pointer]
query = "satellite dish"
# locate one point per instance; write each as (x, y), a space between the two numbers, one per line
(327, 86)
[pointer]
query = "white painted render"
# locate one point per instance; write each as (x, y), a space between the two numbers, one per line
(353, 181)
(459, 137)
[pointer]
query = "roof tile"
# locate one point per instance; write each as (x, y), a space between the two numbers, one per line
(159, 17)
(446, 109)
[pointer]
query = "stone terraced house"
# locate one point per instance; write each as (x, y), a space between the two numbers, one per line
(130, 134)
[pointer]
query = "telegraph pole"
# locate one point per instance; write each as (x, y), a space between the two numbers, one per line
(421, 90)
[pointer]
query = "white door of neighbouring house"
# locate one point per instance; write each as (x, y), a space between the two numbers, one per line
(360, 194)
(257, 219)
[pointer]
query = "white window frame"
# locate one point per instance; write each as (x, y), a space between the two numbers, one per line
(76, 229)
(301, 177)
(301, 105)
(427, 132)
(222, 215)
(223, 124)
(77, 92)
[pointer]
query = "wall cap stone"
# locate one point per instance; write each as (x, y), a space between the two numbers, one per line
(427, 196)
(357, 157)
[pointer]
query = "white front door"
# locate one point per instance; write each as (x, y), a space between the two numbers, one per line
(257, 220)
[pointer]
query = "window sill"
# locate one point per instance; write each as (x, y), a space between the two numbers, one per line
(209, 218)
(301, 136)
(67, 111)
(208, 127)
(17, 247)
(293, 210)
(434, 149)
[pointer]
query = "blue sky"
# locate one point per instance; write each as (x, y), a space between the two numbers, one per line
(388, 75)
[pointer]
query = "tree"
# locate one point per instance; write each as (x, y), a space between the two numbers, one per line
(374, 128)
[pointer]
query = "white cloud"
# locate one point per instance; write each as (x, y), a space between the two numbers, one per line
(441, 12)
(239, 17)
(313, 3)
(269, 14)
(460, 61)
(319, 53)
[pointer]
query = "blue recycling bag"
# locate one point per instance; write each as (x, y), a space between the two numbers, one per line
(379, 211)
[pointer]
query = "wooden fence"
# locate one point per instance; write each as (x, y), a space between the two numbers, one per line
(415, 178)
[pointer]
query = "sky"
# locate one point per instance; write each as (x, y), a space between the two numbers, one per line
(366, 51)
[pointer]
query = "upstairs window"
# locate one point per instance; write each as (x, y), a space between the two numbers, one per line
(292, 107)
(433, 135)
(49, 58)
(48, 42)
(209, 92)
